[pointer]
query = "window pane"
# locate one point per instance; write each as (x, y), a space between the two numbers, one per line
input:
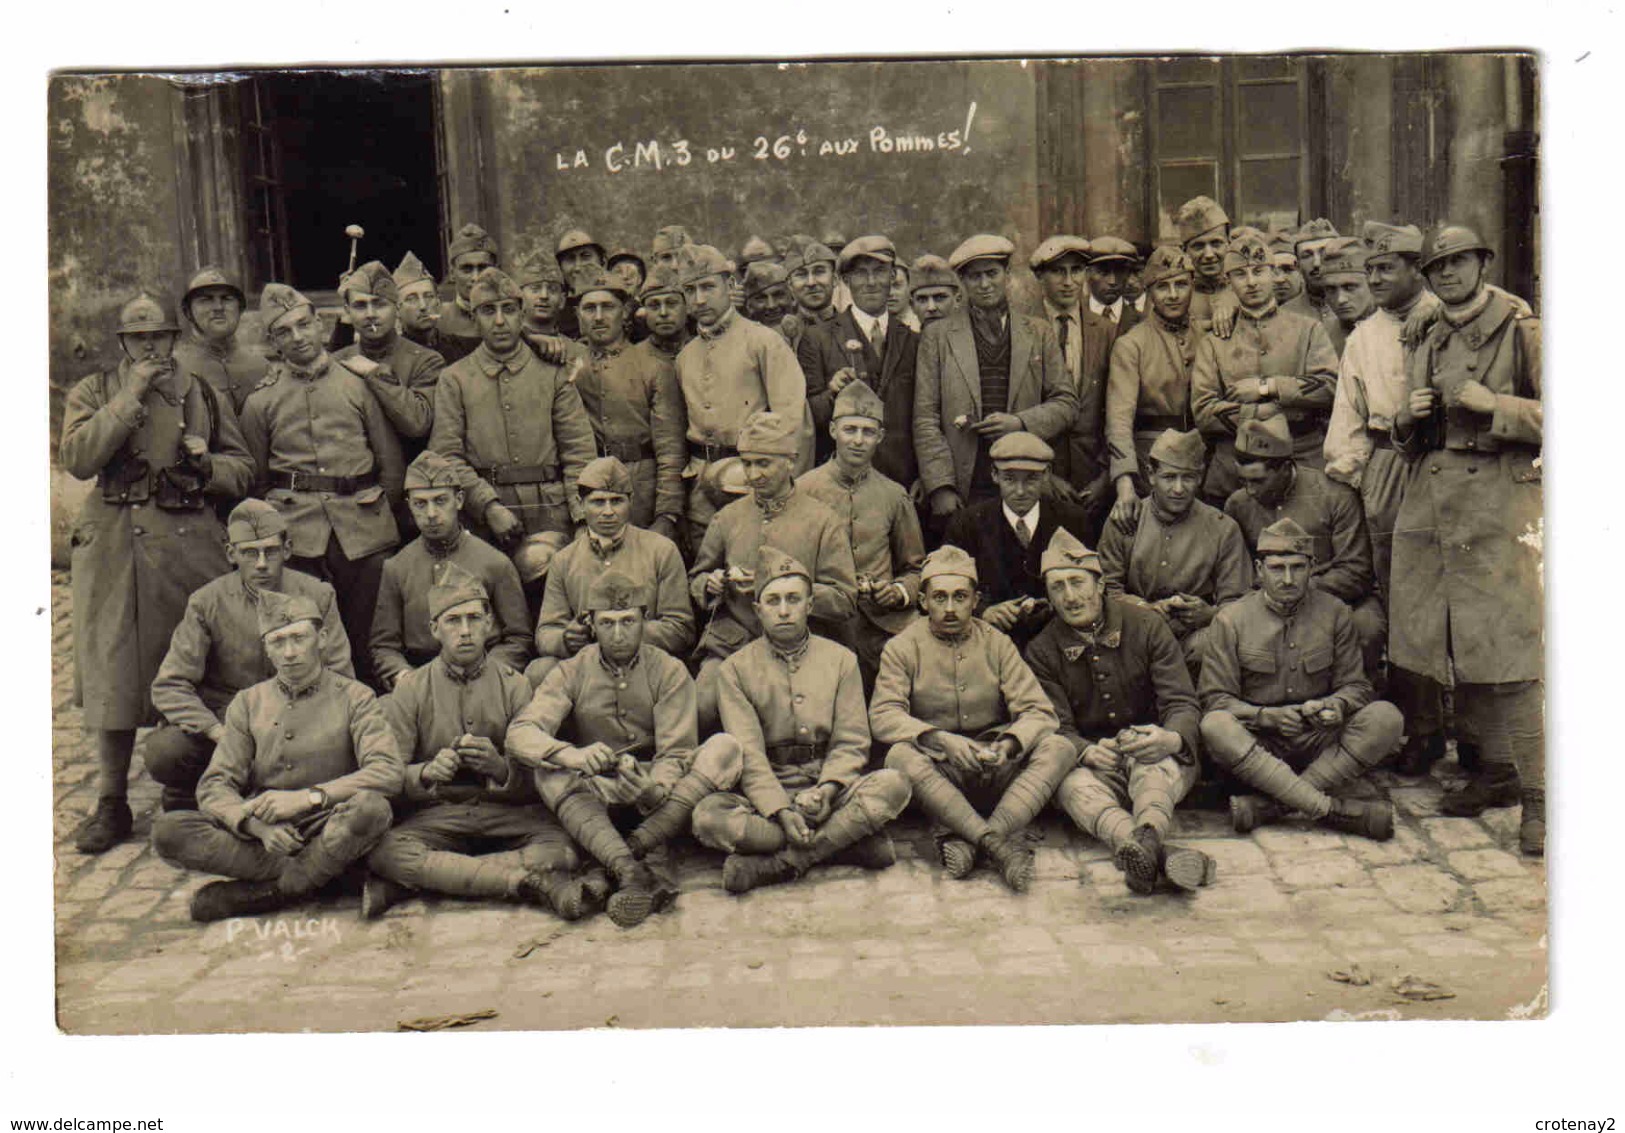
(1187, 123)
(1177, 184)
(1269, 193)
(1265, 67)
(1187, 70)
(1269, 119)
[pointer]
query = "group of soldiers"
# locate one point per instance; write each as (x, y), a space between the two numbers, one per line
(762, 550)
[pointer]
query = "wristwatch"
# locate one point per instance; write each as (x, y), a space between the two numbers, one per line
(318, 799)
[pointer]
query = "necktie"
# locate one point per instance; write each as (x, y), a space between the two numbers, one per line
(1022, 534)
(878, 339)
(1065, 332)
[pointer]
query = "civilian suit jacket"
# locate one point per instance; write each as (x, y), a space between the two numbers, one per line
(822, 351)
(1005, 569)
(947, 387)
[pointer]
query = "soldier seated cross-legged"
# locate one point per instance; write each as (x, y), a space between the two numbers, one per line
(969, 726)
(793, 702)
(470, 820)
(299, 785)
(611, 734)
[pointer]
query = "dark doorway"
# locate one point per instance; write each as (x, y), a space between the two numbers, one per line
(327, 149)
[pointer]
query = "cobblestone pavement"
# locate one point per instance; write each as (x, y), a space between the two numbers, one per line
(1448, 900)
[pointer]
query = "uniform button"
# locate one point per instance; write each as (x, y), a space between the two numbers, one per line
(799, 698)
(621, 685)
(138, 530)
(1472, 468)
(288, 735)
(1111, 715)
(802, 730)
(1105, 696)
(1434, 468)
(1292, 645)
(122, 495)
(1164, 562)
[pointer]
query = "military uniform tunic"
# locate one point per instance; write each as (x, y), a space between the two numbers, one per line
(1148, 390)
(135, 563)
(400, 627)
(404, 385)
(518, 429)
(884, 529)
(636, 408)
(732, 370)
(1291, 350)
(432, 707)
(232, 368)
(648, 559)
(1201, 553)
(1260, 657)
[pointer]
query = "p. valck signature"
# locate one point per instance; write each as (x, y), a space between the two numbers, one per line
(282, 935)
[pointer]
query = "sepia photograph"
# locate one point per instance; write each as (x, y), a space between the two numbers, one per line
(1046, 540)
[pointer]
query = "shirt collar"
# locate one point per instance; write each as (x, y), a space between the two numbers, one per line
(379, 352)
(607, 351)
(991, 322)
(837, 472)
(720, 327)
(1468, 311)
(774, 507)
(867, 322)
(1279, 609)
(486, 359)
(310, 373)
(443, 548)
(1107, 632)
(604, 548)
(792, 656)
(1115, 311)
(460, 674)
(1031, 517)
(615, 670)
(303, 690)
(1074, 312)
(1262, 314)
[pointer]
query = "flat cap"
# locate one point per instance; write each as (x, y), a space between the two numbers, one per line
(612, 590)
(1315, 231)
(1391, 239)
(575, 238)
(982, 247)
(1185, 451)
(697, 261)
(276, 610)
(598, 279)
(1266, 437)
(1165, 263)
(1106, 249)
(755, 249)
(278, 301)
(856, 399)
(932, 271)
(1021, 450)
(429, 469)
(492, 285)
(723, 481)
(538, 267)
(833, 238)
(875, 247)
(536, 553)
(1344, 257)
(671, 238)
(1449, 240)
(1067, 552)
(761, 275)
(605, 474)
(1285, 537)
(947, 559)
(772, 563)
(1247, 250)
(766, 433)
(411, 271)
(211, 276)
(661, 280)
(452, 586)
(371, 278)
(1199, 215)
(1055, 247)
(471, 238)
(254, 519)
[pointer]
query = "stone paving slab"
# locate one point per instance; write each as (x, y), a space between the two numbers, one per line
(1449, 900)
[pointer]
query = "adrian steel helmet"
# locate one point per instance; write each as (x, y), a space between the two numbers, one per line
(210, 276)
(145, 313)
(1449, 240)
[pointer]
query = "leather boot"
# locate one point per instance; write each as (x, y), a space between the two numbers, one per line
(1419, 754)
(743, 872)
(1187, 868)
(1249, 812)
(1493, 784)
(1374, 820)
(379, 894)
(108, 826)
(1468, 756)
(596, 886)
(1532, 827)
(958, 856)
(549, 889)
(873, 852)
(221, 899)
(671, 817)
(638, 893)
(1012, 858)
(1140, 859)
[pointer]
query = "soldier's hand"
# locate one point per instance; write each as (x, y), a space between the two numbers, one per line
(504, 524)
(1223, 321)
(996, 425)
(279, 806)
(280, 838)
(944, 502)
(1326, 713)
(1003, 615)
(577, 635)
(841, 378)
(1292, 723)
(194, 446)
(1418, 323)
(1422, 401)
(1475, 396)
(892, 596)
(143, 373)
(812, 804)
(549, 347)
(1149, 743)
(1276, 719)
(636, 778)
(443, 766)
(716, 582)
(1098, 757)
(1125, 513)
(665, 525)
(960, 752)
(1194, 611)
(482, 756)
(595, 759)
(795, 826)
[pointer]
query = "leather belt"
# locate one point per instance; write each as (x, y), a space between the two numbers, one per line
(709, 453)
(312, 482)
(520, 474)
(627, 452)
(1380, 438)
(794, 753)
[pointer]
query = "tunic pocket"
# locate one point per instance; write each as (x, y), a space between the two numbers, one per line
(1317, 660)
(1257, 660)
(1525, 469)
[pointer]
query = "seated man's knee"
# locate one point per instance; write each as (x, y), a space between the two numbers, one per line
(367, 813)
(1384, 721)
(170, 834)
(908, 759)
(718, 821)
(886, 793)
(1082, 786)
(1054, 753)
(174, 758)
(536, 672)
(720, 761)
(398, 856)
(1223, 735)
